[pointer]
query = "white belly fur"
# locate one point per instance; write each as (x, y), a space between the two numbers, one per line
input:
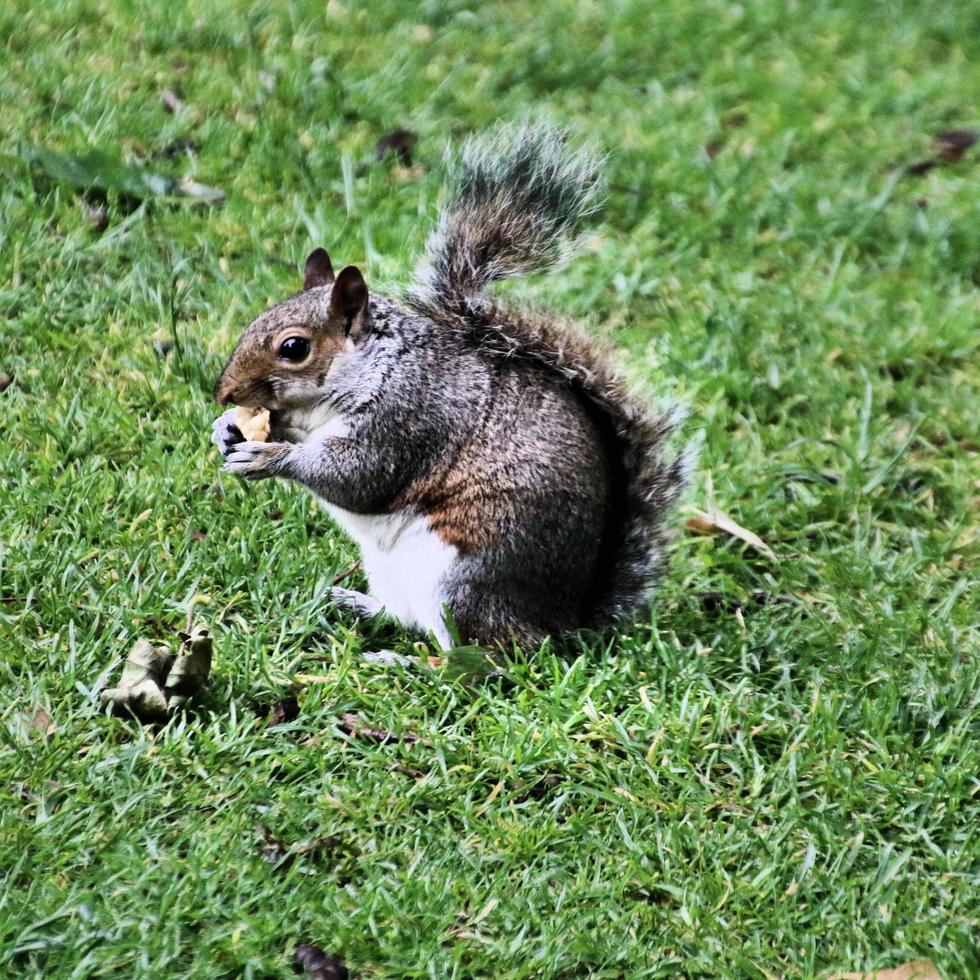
(405, 562)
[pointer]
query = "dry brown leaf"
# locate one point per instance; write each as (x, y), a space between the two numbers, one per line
(353, 726)
(314, 962)
(714, 520)
(41, 721)
(916, 970)
(283, 711)
(400, 143)
(951, 144)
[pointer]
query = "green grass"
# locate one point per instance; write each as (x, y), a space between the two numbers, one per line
(784, 791)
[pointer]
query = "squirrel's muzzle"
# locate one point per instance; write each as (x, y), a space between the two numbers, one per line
(224, 392)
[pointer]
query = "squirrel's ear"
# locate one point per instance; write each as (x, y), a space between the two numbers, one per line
(318, 270)
(349, 300)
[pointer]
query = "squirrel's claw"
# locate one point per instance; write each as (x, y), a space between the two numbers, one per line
(255, 460)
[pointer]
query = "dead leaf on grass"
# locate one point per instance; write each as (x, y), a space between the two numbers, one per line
(6, 381)
(406, 770)
(283, 711)
(923, 969)
(951, 144)
(156, 683)
(314, 962)
(35, 719)
(399, 142)
(353, 726)
(713, 521)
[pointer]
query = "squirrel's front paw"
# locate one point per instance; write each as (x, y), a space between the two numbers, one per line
(256, 460)
(225, 434)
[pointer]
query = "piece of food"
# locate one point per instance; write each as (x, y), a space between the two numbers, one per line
(253, 423)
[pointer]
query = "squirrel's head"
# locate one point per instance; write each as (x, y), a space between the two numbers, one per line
(284, 356)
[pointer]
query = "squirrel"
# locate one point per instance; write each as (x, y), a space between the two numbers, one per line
(500, 478)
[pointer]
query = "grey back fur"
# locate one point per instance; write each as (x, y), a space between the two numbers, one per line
(516, 200)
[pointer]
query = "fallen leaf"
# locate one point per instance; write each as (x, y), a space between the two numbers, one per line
(36, 719)
(353, 726)
(314, 962)
(916, 970)
(140, 689)
(951, 144)
(6, 380)
(734, 118)
(715, 520)
(156, 683)
(191, 669)
(283, 711)
(399, 142)
(406, 770)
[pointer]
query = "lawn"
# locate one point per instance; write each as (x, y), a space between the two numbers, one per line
(777, 773)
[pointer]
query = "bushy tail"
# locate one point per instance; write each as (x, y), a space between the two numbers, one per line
(516, 199)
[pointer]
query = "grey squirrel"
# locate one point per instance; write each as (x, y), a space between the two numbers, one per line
(489, 462)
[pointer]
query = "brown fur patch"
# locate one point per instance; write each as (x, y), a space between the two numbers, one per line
(459, 509)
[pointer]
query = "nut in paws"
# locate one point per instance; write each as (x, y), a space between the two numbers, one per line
(255, 460)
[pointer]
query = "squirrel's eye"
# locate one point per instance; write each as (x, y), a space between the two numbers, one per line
(294, 348)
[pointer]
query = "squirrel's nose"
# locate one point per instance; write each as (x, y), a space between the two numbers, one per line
(223, 392)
